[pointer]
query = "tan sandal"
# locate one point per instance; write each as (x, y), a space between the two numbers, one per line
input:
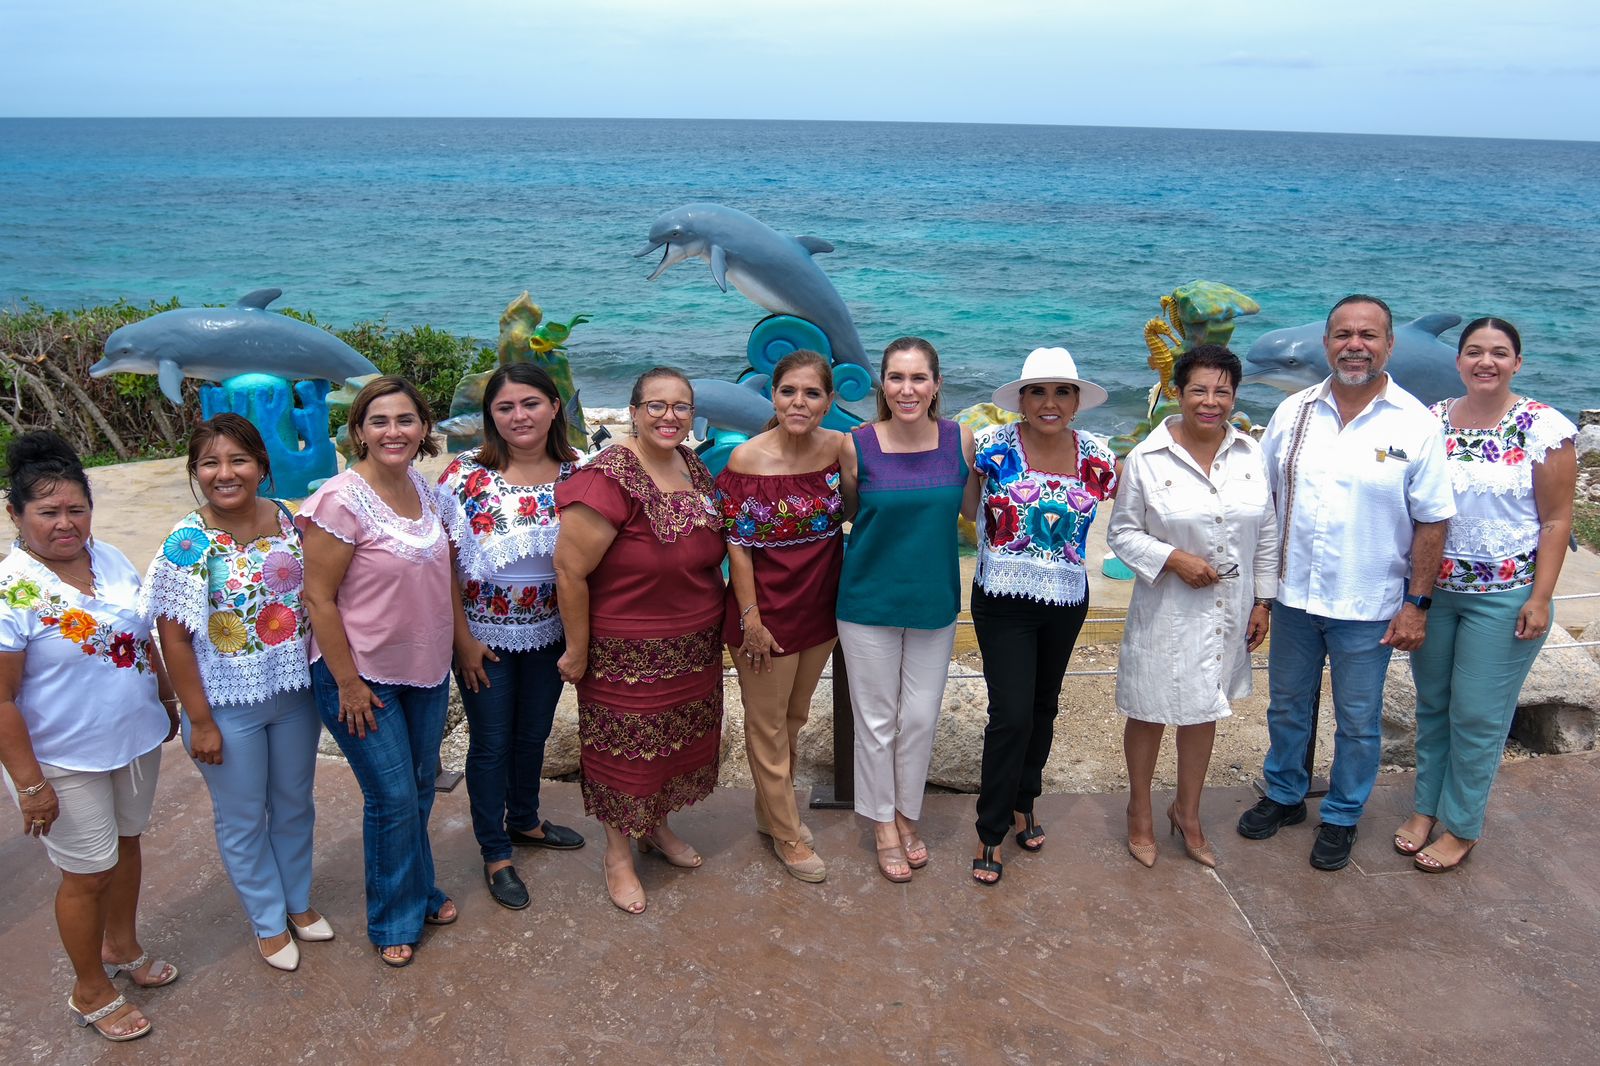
(95, 1018)
(891, 860)
(810, 869)
(687, 858)
(168, 971)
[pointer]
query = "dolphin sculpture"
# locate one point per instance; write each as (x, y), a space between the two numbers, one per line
(737, 406)
(217, 343)
(774, 271)
(1294, 358)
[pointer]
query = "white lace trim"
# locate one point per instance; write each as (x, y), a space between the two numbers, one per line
(1549, 429)
(1489, 539)
(1059, 584)
(1493, 479)
(421, 540)
(234, 679)
(483, 557)
(181, 595)
(517, 636)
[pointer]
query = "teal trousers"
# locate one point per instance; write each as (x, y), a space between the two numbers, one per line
(1468, 673)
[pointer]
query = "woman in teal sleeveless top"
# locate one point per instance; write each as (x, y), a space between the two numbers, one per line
(907, 477)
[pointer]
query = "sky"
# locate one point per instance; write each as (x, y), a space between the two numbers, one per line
(1467, 68)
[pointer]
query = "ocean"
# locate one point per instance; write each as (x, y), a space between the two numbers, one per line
(989, 240)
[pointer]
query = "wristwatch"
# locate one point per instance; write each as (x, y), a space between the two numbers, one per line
(1421, 603)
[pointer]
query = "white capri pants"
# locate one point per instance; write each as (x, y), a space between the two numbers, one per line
(97, 807)
(897, 679)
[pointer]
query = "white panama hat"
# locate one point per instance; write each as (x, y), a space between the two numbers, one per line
(1044, 366)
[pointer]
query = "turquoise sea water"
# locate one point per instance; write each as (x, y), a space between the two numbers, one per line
(989, 240)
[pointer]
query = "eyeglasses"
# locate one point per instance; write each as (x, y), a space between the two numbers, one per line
(657, 408)
(1228, 570)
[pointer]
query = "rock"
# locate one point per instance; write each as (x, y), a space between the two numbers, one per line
(1588, 440)
(1589, 418)
(1557, 710)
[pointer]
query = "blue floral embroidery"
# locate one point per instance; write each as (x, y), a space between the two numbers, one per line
(186, 546)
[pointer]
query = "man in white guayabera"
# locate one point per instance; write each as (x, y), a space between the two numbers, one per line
(1362, 493)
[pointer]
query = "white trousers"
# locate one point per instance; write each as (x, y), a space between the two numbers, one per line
(897, 679)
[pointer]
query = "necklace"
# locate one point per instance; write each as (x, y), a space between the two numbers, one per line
(84, 584)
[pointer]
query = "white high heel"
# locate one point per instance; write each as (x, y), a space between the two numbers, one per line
(317, 930)
(286, 958)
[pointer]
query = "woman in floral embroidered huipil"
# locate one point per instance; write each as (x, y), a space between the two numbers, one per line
(639, 580)
(782, 508)
(224, 593)
(1513, 466)
(1042, 481)
(81, 724)
(498, 504)
(381, 599)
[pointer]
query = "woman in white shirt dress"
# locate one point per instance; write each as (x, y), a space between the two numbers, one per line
(1195, 523)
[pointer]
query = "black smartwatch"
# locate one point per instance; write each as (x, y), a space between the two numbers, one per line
(1421, 603)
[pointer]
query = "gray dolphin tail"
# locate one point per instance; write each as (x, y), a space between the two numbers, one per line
(1437, 322)
(258, 299)
(719, 267)
(814, 245)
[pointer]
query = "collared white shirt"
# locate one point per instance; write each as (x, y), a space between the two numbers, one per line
(1184, 654)
(1347, 521)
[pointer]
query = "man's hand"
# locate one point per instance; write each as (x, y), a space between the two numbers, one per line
(1406, 629)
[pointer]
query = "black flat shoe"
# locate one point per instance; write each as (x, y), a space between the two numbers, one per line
(556, 838)
(1332, 849)
(1269, 816)
(507, 888)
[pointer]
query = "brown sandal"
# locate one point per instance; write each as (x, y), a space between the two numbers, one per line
(894, 855)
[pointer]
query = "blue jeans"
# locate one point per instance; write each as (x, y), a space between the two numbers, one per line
(395, 766)
(1301, 642)
(261, 803)
(1469, 672)
(509, 721)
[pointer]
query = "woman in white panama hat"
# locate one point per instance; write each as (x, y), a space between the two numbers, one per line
(1042, 481)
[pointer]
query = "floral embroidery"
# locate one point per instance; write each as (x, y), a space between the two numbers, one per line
(648, 736)
(1474, 575)
(493, 522)
(635, 659)
(638, 815)
(123, 650)
(185, 546)
(756, 522)
(671, 514)
(227, 632)
(512, 617)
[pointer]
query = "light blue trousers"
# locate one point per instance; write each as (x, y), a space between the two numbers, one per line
(261, 803)
(1468, 673)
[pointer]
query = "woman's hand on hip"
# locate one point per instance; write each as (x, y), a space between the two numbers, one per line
(356, 702)
(205, 742)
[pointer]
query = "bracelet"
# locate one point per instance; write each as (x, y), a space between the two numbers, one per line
(1264, 603)
(33, 790)
(742, 615)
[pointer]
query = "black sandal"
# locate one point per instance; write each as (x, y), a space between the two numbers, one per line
(988, 865)
(1031, 832)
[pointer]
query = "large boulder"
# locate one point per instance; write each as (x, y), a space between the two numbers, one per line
(1557, 710)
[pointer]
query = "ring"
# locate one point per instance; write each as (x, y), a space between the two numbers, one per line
(38, 821)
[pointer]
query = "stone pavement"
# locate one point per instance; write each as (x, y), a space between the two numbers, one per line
(1078, 956)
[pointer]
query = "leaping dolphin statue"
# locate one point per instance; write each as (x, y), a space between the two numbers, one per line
(217, 343)
(773, 271)
(1294, 358)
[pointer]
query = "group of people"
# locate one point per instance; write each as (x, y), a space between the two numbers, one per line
(523, 569)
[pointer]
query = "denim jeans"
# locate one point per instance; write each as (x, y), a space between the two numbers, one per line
(395, 766)
(261, 803)
(509, 721)
(1301, 642)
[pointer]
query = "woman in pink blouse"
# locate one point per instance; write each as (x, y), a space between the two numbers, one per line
(499, 506)
(782, 507)
(379, 593)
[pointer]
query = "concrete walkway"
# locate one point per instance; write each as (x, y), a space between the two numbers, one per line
(1078, 956)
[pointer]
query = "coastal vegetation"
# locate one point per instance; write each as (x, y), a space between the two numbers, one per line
(45, 355)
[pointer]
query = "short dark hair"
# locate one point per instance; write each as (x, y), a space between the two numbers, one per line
(1207, 357)
(236, 428)
(1361, 298)
(636, 397)
(804, 357)
(909, 344)
(493, 452)
(376, 389)
(1489, 322)
(36, 463)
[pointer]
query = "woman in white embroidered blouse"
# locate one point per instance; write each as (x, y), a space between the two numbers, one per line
(224, 594)
(498, 504)
(1041, 482)
(1194, 522)
(1514, 469)
(379, 594)
(81, 724)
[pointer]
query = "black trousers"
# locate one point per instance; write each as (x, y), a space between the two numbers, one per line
(1026, 645)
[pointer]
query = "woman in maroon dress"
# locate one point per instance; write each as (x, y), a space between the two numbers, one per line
(639, 583)
(782, 509)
